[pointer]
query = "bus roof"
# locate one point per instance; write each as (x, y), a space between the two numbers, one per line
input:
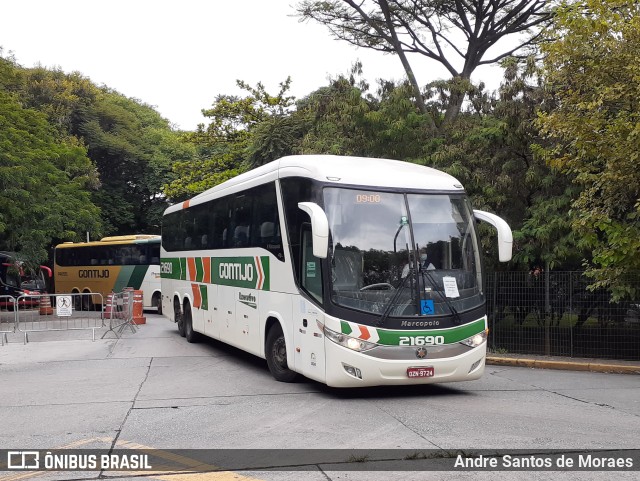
(120, 239)
(338, 170)
(129, 238)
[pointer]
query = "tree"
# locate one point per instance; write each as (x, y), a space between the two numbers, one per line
(132, 146)
(592, 66)
(431, 28)
(44, 183)
(244, 132)
(347, 118)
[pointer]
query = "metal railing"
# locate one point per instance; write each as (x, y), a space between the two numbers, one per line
(555, 313)
(59, 312)
(119, 313)
(7, 317)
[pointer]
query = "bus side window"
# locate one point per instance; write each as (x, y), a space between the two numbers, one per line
(265, 232)
(241, 236)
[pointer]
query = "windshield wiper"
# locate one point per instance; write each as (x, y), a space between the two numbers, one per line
(425, 272)
(394, 299)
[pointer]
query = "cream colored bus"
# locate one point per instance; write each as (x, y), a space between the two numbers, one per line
(110, 265)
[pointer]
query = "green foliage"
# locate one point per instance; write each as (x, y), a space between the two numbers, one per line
(489, 149)
(244, 132)
(592, 66)
(43, 183)
(131, 145)
(344, 118)
(337, 118)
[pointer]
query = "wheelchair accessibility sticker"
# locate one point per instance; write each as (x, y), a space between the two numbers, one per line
(426, 307)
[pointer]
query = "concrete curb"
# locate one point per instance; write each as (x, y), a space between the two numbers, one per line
(564, 365)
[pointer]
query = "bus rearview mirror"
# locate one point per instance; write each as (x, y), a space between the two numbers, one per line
(319, 228)
(505, 237)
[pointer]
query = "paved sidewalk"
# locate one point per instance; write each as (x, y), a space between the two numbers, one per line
(565, 363)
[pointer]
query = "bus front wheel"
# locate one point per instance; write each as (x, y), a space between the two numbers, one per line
(178, 317)
(276, 354)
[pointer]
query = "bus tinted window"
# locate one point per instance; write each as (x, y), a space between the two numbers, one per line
(107, 255)
(246, 219)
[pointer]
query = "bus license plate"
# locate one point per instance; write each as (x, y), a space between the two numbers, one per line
(413, 372)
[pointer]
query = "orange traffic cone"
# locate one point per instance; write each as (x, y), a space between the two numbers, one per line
(45, 306)
(108, 310)
(138, 305)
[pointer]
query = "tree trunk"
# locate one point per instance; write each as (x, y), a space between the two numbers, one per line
(406, 65)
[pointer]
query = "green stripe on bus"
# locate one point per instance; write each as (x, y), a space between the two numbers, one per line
(183, 269)
(170, 268)
(243, 271)
(451, 335)
(130, 276)
(123, 278)
(199, 269)
(137, 276)
(345, 327)
(264, 260)
(205, 297)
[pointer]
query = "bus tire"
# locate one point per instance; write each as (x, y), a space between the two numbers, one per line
(77, 300)
(156, 301)
(276, 354)
(178, 317)
(189, 333)
(86, 303)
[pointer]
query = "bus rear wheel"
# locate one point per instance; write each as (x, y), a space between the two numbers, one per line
(276, 354)
(178, 317)
(156, 302)
(189, 333)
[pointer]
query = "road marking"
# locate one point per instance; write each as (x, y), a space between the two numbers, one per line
(210, 471)
(193, 464)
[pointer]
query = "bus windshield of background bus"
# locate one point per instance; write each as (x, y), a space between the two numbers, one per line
(372, 255)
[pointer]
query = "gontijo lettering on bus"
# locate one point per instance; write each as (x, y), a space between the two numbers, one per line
(249, 272)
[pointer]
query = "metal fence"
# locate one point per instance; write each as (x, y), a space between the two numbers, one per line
(7, 317)
(555, 314)
(119, 313)
(59, 312)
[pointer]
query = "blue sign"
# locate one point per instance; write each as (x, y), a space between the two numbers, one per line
(426, 307)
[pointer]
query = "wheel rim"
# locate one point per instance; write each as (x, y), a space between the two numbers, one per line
(280, 352)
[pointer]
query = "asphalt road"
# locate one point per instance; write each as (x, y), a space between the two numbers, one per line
(152, 389)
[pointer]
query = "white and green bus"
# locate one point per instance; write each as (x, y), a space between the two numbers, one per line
(349, 271)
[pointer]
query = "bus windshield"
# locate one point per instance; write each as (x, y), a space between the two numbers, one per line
(402, 254)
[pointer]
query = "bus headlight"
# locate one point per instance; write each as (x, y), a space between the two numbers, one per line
(475, 340)
(349, 342)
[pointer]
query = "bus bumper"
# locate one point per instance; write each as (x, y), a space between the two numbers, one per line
(348, 368)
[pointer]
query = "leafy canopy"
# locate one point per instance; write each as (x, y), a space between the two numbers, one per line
(592, 66)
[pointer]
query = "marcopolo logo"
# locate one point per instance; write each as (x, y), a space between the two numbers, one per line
(246, 272)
